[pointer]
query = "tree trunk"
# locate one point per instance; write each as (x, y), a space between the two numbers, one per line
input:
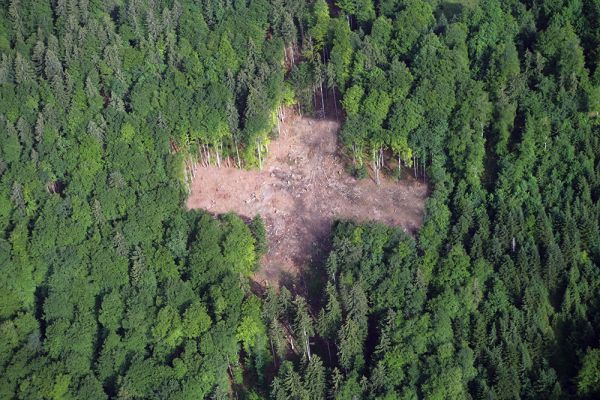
(322, 101)
(378, 160)
(376, 166)
(415, 165)
(229, 367)
(307, 344)
(259, 151)
(399, 165)
(237, 153)
(279, 121)
(334, 102)
(218, 156)
(207, 150)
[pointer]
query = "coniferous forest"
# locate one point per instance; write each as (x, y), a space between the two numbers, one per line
(110, 288)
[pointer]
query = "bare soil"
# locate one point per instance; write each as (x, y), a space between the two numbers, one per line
(302, 188)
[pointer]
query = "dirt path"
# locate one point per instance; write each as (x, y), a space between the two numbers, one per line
(302, 188)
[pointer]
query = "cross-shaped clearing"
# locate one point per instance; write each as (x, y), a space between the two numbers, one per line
(302, 188)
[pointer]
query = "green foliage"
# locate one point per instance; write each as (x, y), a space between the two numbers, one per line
(495, 110)
(588, 379)
(109, 285)
(352, 99)
(251, 326)
(238, 246)
(320, 25)
(110, 289)
(259, 231)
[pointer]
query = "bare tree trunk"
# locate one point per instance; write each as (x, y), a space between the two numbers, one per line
(307, 345)
(290, 338)
(376, 168)
(399, 164)
(279, 121)
(376, 165)
(217, 155)
(415, 165)
(259, 150)
(334, 103)
(322, 101)
(207, 150)
(229, 366)
(381, 157)
(237, 152)
(378, 156)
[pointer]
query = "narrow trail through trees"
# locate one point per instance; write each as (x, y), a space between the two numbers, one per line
(301, 189)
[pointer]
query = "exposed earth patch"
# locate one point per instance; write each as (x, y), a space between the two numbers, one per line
(302, 188)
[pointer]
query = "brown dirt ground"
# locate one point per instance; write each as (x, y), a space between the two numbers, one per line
(302, 188)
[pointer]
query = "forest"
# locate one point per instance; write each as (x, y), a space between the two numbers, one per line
(110, 288)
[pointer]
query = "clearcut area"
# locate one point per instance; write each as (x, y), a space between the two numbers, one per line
(302, 188)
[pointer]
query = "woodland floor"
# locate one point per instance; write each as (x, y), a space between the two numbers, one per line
(302, 188)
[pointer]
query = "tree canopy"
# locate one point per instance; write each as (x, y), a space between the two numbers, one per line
(111, 289)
